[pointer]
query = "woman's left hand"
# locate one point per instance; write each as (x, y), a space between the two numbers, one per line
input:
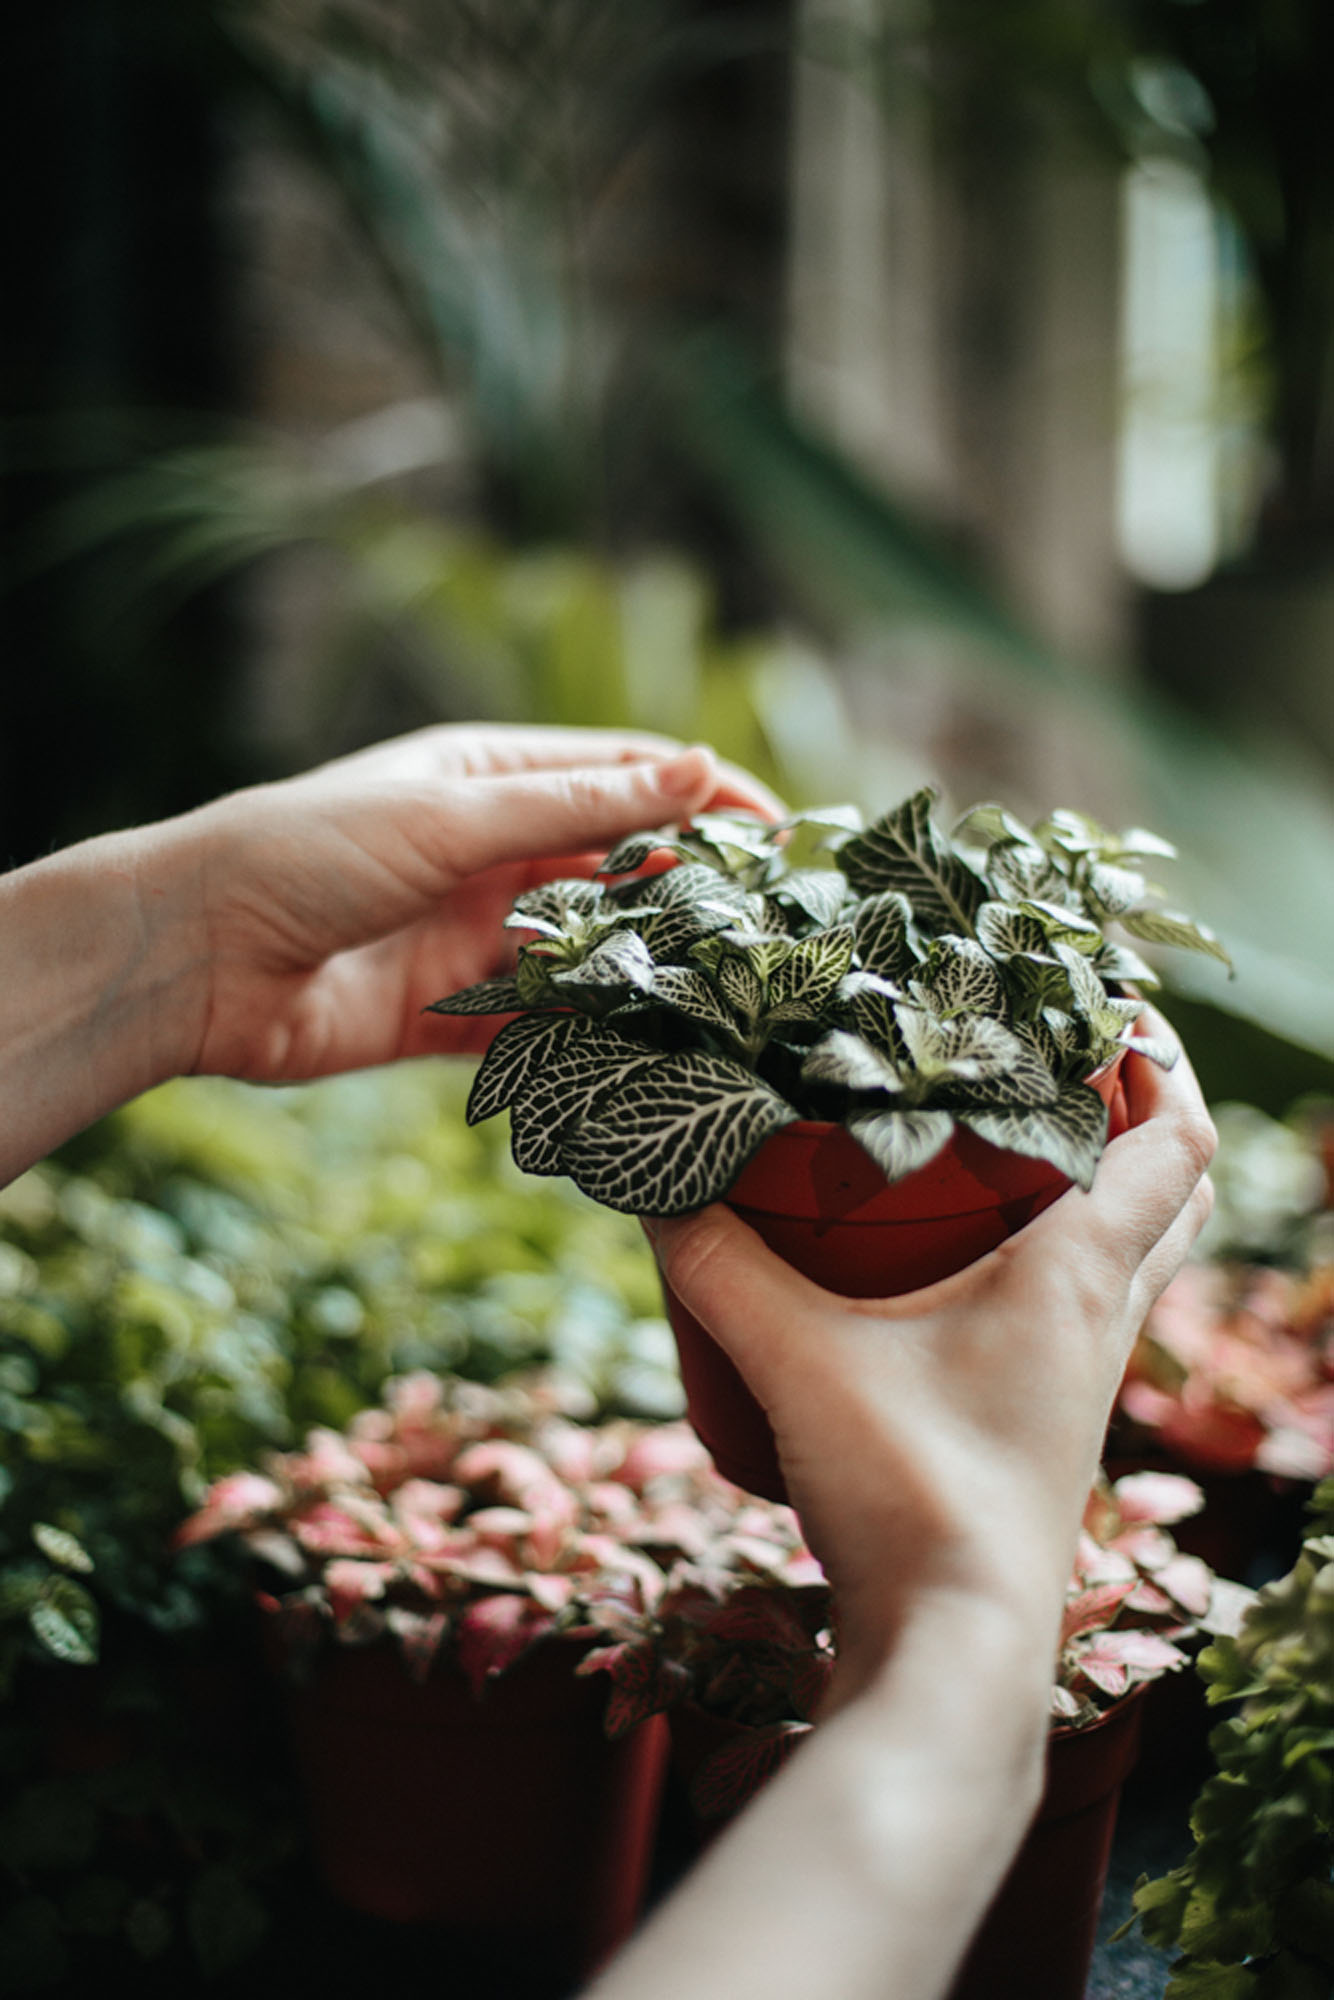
(333, 907)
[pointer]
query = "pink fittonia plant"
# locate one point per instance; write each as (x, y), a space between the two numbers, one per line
(1235, 1370)
(486, 1520)
(1132, 1594)
(758, 1653)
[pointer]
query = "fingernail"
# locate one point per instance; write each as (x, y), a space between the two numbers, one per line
(680, 776)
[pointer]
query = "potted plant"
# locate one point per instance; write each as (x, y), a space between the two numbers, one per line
(739, 1659)
(432, 1576)
(886, 1047)
(1251, 1912)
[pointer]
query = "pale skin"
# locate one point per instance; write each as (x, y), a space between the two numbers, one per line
(939, 1447)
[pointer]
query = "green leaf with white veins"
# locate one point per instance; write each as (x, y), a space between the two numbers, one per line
(65, 1620)
(1070, 1133)
(567, 1089)
(1025, 874)
(740, 984)
(852, 1064)
(630, 854)
(1008, 932)
(518, 1055)
(801, 986)
(959, 977)
(818, 893)
(874, 1012)
(886, 936)
(620, 960)
(904, 851)
(901, 1141)
(674, 1138)
(969, 1049)
(554, 903)
(1115, 890)
(689, 992)
(1170, 927)
(490, 996)
(988, 825)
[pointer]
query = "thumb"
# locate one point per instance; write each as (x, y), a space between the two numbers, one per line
(521, 815)
(758, 1309)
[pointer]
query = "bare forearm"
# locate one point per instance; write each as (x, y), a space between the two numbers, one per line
(865, 1868)
(96, 968)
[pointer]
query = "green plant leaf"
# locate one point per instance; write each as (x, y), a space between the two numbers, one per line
(1071, 1132)
(988, 825)
(901, 1141)
(490, 996)
(904, 851)
(885, 935)
(619, 961)
(802, 985)
(972, 1049)
(630, 854)
(518, 1056)
(556, 902)
(1009, 932)
(741, 986)
(675, 1137)
(1023, 874)
(820, 894)
(566, 1089)
(851, 1063)
(1114, 890)
(1170, 927)
(960, 978)
(64, 1619)
(61, 1547)
(687, 991)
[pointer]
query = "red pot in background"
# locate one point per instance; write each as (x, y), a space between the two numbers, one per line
(1036, 1941)
(511, 1816)
(821, 1202)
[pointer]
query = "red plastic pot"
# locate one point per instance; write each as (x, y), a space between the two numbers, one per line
(510, 1817)
(1037, 1938)
(821, 1202)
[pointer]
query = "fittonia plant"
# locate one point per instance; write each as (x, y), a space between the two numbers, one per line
(890, 977)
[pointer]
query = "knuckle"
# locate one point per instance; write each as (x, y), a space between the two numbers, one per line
(1199, 1140)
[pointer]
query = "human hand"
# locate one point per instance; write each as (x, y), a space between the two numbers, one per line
(329, 909)
(946, 1440)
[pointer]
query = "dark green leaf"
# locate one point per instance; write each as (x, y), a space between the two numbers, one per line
(904, 851)
(630, 854)
(885, 935)
(555, 903)
(620, 960)
(566, 1089)
(674, 1137)
(688, 992)
(740, 985)
(225, 1920)
(1071, 1133)
(492, 996)
(1026, 874)
(65, 1620)
(61, 1547)
(802, 985)
(518, 1056)
(959, 977)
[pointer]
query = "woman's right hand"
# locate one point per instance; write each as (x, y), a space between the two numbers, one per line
(947, 1439)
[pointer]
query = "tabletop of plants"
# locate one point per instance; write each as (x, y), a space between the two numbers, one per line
(289, 1339)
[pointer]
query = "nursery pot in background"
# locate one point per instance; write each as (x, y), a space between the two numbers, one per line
(824, 1206)
(509, 1818)
(1036, 1940)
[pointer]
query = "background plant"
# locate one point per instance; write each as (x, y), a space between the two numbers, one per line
(1251, 1912)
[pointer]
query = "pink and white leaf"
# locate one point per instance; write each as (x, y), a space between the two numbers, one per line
(1159, 1497)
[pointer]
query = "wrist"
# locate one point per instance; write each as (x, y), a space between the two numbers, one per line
(106, 989)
